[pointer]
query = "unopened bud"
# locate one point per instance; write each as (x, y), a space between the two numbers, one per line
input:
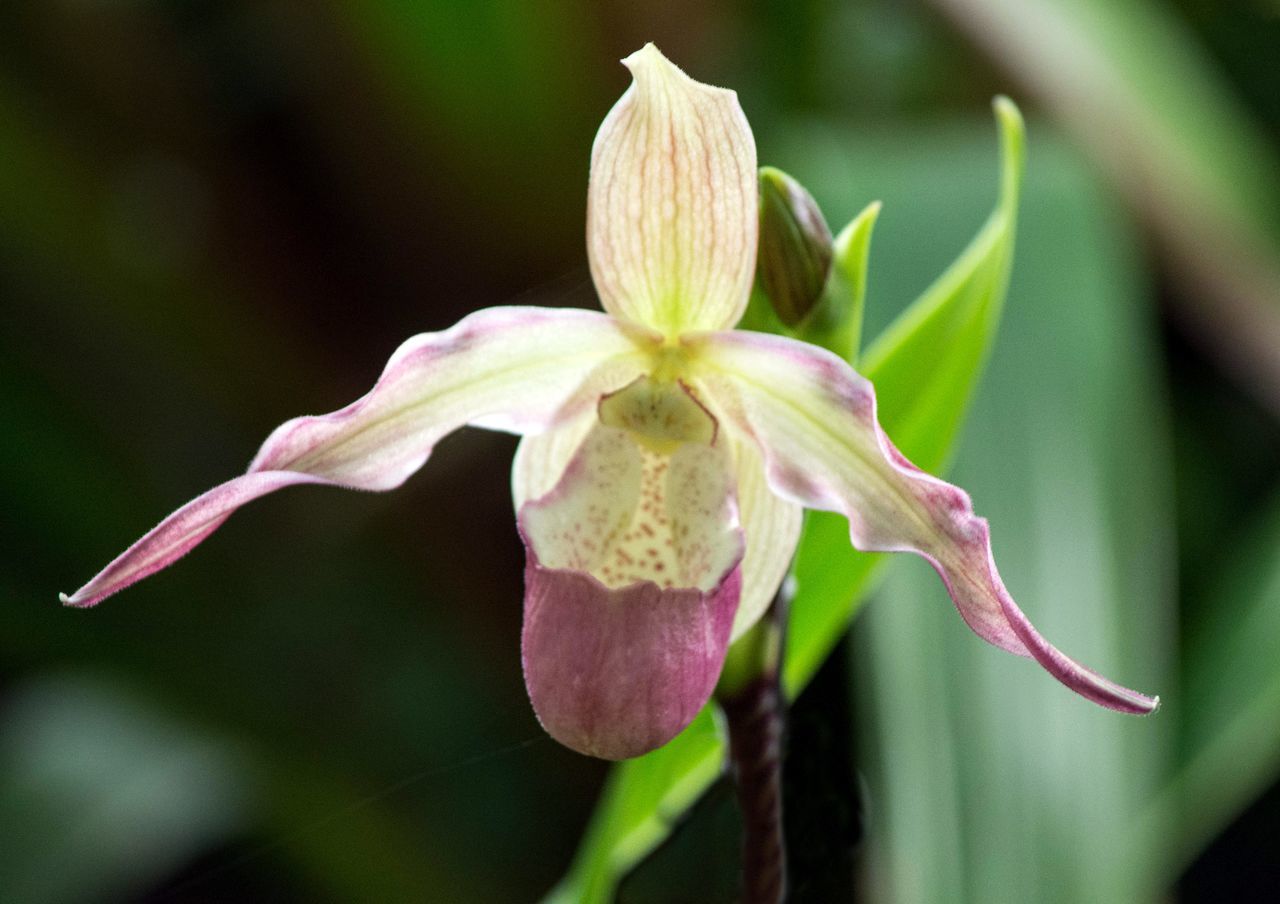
(795, 250)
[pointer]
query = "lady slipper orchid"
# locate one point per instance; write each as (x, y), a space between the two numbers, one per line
(666, 458)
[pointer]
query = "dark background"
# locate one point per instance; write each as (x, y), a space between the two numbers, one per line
(218, 215)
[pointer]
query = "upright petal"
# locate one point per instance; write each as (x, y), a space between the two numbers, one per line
(814, 418)
(671, 205)
(514, 369)
(632, 581)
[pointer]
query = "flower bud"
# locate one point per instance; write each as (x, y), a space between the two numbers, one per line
(795, 247)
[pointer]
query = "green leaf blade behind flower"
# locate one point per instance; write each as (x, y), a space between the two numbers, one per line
(930, 358)
(641, 802)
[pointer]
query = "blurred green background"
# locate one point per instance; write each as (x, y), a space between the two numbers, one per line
(217, 215)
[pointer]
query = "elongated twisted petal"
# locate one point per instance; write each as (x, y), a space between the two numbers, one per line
(815, 420)
(770, 523)
(632, 579)
(671, 203)
(513, 369)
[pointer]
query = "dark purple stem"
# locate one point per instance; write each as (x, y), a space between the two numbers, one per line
(757, 720)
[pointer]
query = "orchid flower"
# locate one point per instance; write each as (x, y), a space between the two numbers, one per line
(666, 458)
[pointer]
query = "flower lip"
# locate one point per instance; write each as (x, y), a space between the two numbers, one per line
(625, 511)
(633, 575)
(770, 524)
(615, 672)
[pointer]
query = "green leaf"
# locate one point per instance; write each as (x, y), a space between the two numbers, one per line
(949, 331)
(942, 338)
(1142, 93)
(642, 801)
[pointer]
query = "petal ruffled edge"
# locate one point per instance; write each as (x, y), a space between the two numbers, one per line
(510, 368)
(814, 418)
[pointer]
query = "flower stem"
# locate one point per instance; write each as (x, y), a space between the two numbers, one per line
(755, 712)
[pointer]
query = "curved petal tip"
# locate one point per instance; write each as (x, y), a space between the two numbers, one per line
(648, 55)
(650, 62)
(519, 369)
(1084, 681)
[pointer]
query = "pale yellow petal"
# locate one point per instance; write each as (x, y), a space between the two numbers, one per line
(671, 206)
(541, 457)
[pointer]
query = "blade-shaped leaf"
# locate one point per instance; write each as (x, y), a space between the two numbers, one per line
(836, 321)
(642, 801)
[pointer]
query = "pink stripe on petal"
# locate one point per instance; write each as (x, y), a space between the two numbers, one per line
(814, 419)
(1084, 681)
(615, 673)
(515, 369)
